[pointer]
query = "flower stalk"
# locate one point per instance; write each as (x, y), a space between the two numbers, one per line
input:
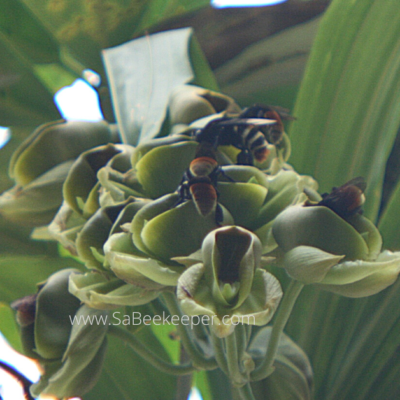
(148, 355)
(197, 357)
(289, 299)
(233, 358)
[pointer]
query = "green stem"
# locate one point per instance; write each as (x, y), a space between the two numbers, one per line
(241, 340)
(197, 357)
(183, 382)
(233, 359)
(147, 354)
(219, 353)
(246, 393)
(289, 299)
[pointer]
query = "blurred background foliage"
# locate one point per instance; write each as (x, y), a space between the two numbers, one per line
(347, 104)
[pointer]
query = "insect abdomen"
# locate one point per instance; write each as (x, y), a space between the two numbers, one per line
(204, 197)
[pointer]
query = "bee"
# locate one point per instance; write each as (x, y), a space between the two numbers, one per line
(242, 133)
(199, 182)
(346, 200)
(25, 382)
(202, 190)
(274, 132)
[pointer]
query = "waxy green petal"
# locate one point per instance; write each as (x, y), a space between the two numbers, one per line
(163, 230)
(138, 269)
(284, 189)
(97, 229)
(157, 174)
(54, 143)
(245, 174)
(188, 103)
(82, 177)
(144, 148)
(263, 300)
(100, 292)
(95, 233)
(309, 264)
(353, 271)
(243, 200)
(36, 203)
(370, 234)
(188, 288)
(65, 227)
(369, 285)
(318, 227)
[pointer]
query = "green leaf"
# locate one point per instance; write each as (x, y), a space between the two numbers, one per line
(25, 101)
(142, 74)
(25, 32)
(165, 333)
(348, 107)
(53, 76)
(155, 11)
(19, 274)
(388, 223)
(278, 62)
(202, 384)
(219, 385)
(8, 327)
(126, 376)
(83, 28)
(348, 116)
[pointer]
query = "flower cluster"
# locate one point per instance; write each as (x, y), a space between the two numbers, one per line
(202, 211)
(124, 211)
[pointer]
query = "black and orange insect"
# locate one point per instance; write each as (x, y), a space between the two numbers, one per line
(346, 200)
(273, 132)
(23, 380)
(199, 182)
(242, 133)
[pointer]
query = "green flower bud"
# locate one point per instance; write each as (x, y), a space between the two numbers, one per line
(342, 255)
(71, 353)
(94, 203)
(189, 103)
(80, 367)
(319, 227)
(81, 186)
(65, 227)
(228, 284)
(104, 222)
(284, 189)
(54, 143)
(36, 203)
(54, 306)
(41, 164)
